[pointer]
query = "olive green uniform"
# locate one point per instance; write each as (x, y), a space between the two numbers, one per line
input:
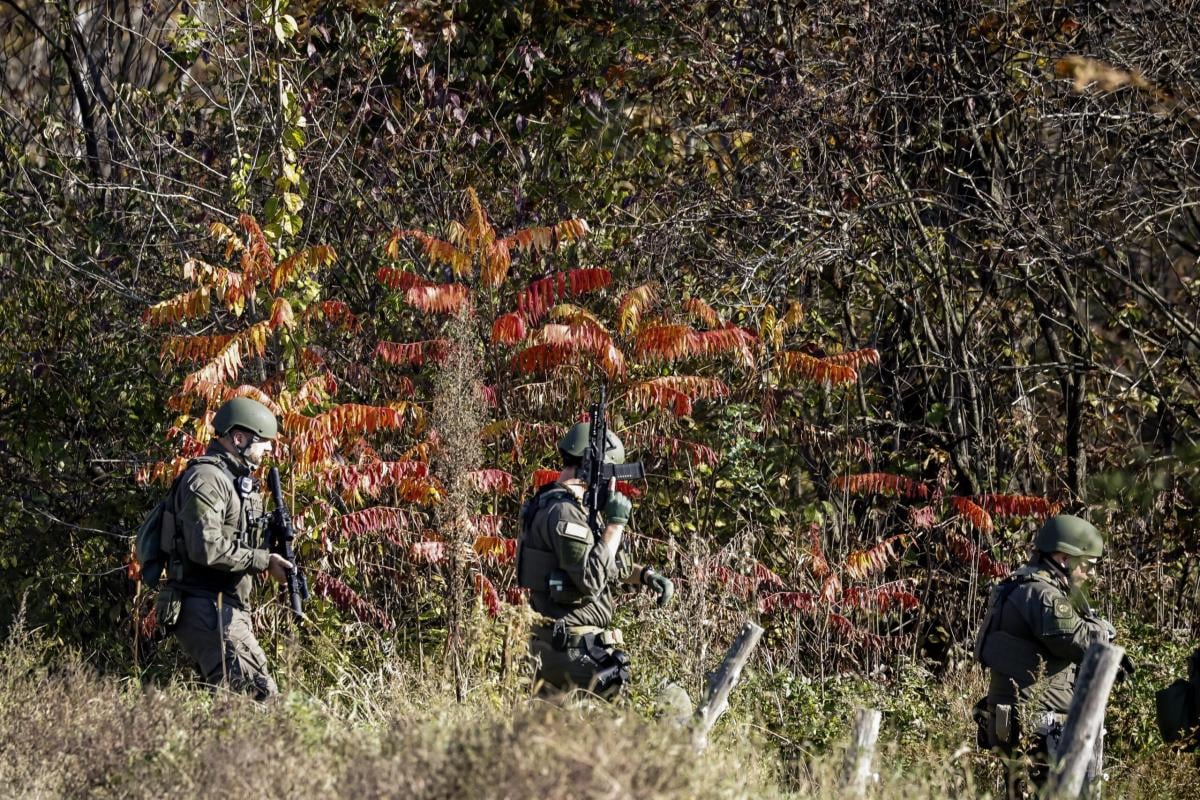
(219, 525)
(570, 573)
(1032, 640)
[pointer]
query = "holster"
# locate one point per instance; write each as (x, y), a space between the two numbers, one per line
(612, 665)
(167, 607)
(1004, 724)
(982, 715)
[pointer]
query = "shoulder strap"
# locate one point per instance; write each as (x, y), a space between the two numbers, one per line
(235, 484)
(540, 500)
(219, 463)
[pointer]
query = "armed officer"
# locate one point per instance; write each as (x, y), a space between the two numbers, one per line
(570, 571)
(1033, 638)
(219, 547)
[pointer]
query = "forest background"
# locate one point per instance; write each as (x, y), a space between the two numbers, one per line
(874, 287)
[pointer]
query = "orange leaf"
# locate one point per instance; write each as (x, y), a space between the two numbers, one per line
(335, 591)
(662, 343)
(881, 598)
(335, 312)
(440, 299)
(436, 250)
(975, 515)
(508, 328)
(257, 263)
(478, 231)
(300, 263)
(540, 295)
(491, 480)
(499, 549)
(496, 262)
(633, 306)
(1015, 505)
(863, 563)
(377, 518)
(804, 602)
(188, 305)
(400, 279)
(854, 359)
(702, 311)
(541, 477)
(222, 369)
(549, 238)
(674, 393)
(281, 314)
(794, 364)
(428, 552)
(487, 593)
(730, 339)
(412, 353)
(880, 483)
(194, 348)
(964, 550)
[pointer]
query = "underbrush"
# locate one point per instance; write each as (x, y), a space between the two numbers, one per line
(396, 730)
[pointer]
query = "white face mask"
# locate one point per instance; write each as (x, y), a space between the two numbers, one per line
(255, 453)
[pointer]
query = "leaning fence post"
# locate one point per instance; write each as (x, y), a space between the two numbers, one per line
(856, 771)
(1085, 720)
(716, 696)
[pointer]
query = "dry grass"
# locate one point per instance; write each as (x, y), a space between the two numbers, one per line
(396, 732)
(68, 732)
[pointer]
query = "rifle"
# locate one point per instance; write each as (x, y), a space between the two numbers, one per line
(597, 474)
(280, 535)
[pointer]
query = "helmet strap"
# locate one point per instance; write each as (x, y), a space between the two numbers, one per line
(1053, 562)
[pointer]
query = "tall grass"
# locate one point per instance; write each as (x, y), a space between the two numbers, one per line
(395, 731)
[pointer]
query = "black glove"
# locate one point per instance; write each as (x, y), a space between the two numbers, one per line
(1127, 668)
(659, 583)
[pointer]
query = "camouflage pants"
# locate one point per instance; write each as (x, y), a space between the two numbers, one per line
(222, 644)
(585, 663)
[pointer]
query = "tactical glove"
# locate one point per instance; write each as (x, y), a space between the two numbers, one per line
(659, 583)
(1126, 670)
(617, 509)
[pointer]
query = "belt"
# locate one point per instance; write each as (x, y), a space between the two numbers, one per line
(575, 635)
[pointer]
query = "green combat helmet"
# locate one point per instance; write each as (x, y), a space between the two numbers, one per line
(1069, 534)
(242, 412)
(576, 441)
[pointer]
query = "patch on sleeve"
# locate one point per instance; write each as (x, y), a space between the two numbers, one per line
(1059, 618)
(574, 553)
(573, 530)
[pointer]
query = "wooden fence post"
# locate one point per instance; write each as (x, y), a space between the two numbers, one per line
(716, 696)
(1085, 720)
(856, 770)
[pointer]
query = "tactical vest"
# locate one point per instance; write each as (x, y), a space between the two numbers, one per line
(180, 569)
(536, 563)
(1015, 659)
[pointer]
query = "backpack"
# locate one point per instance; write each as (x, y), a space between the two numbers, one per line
(1177, 707)
(156, 536)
